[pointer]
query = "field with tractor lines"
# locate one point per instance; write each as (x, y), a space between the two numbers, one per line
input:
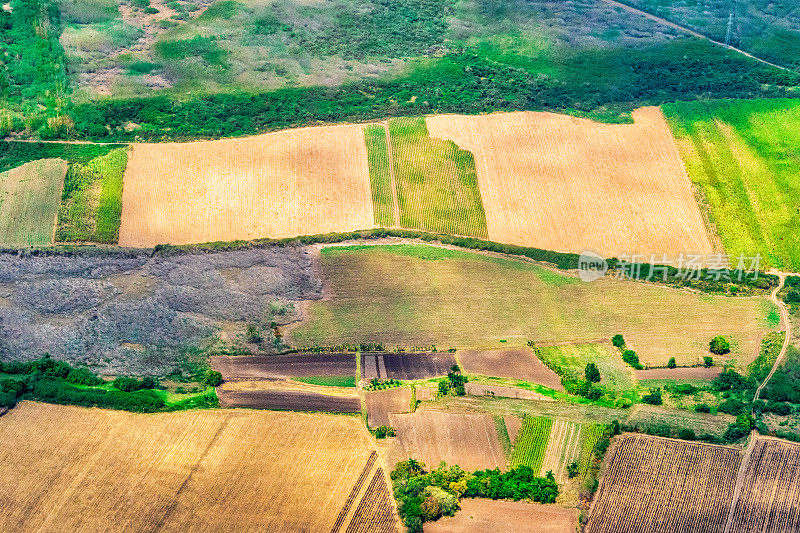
(70, 468)
(437, 188)
(418, 295)
(657, 484)
(743, 155)
(569, 184)
(30, 196)
(282, 184)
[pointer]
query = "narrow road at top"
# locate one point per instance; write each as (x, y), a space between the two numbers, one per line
(689, 31)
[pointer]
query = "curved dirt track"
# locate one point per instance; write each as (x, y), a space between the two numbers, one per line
(787, 326)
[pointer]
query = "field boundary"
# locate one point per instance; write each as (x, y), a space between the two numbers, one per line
(354, 492)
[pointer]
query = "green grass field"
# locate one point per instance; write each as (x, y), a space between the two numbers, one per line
(437, 187)
(91, 207)
(379, 178)
(419, 295)
(570, 361)
(29, 200)
(329, 381)
(743, 155)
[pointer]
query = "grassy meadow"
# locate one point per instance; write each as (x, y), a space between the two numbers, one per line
(437, 186)
(570, 362)
(29, 200)
(379, 177)
(418, 295)
(743, 156)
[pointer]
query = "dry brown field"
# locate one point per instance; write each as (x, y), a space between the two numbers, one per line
(288, 396)
(467, 440)
(498, 391)
(513, 425)
(770, 496)
(654, 484)
(695, 372)
(77, 469)
(478, 515)
(254, 367)
(382, 402)
(569, 184)
(515, 363)
(295, 182)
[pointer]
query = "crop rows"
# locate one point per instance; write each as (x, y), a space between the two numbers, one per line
(591, 434)
(531, 443)
(656, 484)
(770, 496)
(563, 448)
(374, 513)
(354, 492)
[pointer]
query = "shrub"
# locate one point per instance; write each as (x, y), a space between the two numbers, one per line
(83, 376)
(793, 296)
(654, 398)
(630, 357)
(671, 363)
(253, 334)
(618, 341)
(702, 408)
(592, 373)
(732, 407)
(127, 384)
(616, 429)
(719, 345)
(708, 361)
(687, 434)
(212, 378)
(381, 432)
(685, 388)
(572, 469)
(730, 380)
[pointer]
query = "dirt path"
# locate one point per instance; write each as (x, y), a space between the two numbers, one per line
(395, 202)
(787, 327)
(689, 31)
(737, 490)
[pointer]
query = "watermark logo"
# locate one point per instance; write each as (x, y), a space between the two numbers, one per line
(591, 266)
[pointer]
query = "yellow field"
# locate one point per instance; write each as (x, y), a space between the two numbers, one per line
(282, 184)
(76, 469)
(568, 184)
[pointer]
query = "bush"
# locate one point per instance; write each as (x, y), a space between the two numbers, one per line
(685, 388)
(654, 398)
(592, 373)
(630, 357)
(708, 361)
(671, 363)
(83, 376)
(213, 378)
(687, 434)
(719, 345)
(702, 408)
(618, 341)
(730, 380)
(381, 432)
(732, 407)
(127, 384)
(572, 469)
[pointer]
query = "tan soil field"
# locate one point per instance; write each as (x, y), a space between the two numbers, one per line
(657, 484)
(282, 184)
(513, 425)
(695, 372)
(515, 363)
(479, 515)
(382, 402)
(467, 440)
(77, 469)
(569, 184)
(499, 391)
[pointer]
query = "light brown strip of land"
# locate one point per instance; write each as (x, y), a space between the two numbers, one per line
(283, 184)
(569, 184)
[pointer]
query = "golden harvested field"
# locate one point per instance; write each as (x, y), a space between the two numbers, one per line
(467, 440)
(295, 182)
(29, 198)
(656, 484)
(478, 515)
(569, 184)
(76, 469)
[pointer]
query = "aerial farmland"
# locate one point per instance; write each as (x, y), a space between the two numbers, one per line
(354, 266)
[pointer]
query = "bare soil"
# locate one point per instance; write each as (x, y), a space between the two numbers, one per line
(497, 391)
(235, 368)
(697, 372)
(289, 400)
(479, 515)
(406, 366)
(382, 402)
(514, 363)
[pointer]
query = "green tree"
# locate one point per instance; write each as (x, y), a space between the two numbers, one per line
(719, 345)
(213, 378)
(592, 373)
(671, 363)
(708, 361)
(618, 341)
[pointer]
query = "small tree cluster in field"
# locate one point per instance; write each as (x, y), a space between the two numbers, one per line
(618, 341)
(381, 384)
(381, 432)
(654, 397)
(671, 363)
(213, 378)
(129, 384)
(719, 345)
(592, 373)
(708, 361)
(630, 357)
(454, 384)
(424, 496)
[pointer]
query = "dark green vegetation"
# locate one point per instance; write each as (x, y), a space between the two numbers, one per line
(769, 29)
(743, 156)
(770, 348)
(52, 381)
(379, 177)
(330, 381)
(15, 153)
(422, 496)
(91, 203)
(33, 81)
